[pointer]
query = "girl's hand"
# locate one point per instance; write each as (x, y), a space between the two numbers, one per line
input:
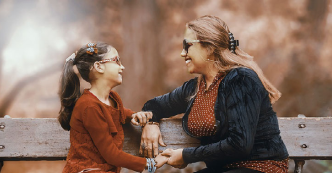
(175, 158)
(141, 118)
(161, 160)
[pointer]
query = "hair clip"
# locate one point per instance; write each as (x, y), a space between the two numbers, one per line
(71, 57)
(91, 45)
(91, 48)
(232, 43)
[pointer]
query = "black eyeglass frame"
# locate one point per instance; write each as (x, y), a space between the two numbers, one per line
(186, 45)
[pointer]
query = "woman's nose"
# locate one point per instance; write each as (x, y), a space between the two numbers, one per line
(122, 67)
(183, 53)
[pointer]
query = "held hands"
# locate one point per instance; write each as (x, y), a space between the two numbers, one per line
(155, 163)
(171, 157)
(175, 158)
(141, 118)
(161, 160)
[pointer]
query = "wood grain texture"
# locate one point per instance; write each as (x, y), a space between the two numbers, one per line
(33, 138)
(44, 139)
(314, 140)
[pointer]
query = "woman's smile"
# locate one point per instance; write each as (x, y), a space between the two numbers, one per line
(188, 61)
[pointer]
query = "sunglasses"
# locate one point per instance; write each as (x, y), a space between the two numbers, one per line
(188, 43)
(115, 59)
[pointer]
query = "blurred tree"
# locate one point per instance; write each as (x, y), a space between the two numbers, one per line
(9, 97)
(10, 20)
(141, 43)
(306, 80)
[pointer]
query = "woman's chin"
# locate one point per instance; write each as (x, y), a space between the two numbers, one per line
(190, 70)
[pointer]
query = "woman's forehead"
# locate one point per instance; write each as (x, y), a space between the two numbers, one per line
(189, 34)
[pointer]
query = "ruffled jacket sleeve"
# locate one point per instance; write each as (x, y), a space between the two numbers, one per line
(173, 103)
(97, 126)
(243, 97)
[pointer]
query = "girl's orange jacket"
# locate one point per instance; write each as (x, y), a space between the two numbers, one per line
(96, 137)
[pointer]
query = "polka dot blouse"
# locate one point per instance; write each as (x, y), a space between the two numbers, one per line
(201, 120)
(266, 166)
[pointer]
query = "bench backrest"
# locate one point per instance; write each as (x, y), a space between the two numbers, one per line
(44, 139)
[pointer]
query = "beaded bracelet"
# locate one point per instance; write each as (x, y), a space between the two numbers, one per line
(151, 165)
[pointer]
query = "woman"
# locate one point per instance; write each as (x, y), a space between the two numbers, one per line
(95, 118)
(229, 107)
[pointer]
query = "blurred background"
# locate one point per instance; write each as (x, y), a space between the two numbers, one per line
(290, 40)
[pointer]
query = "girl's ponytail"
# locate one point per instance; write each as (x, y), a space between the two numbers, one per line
(69, 93)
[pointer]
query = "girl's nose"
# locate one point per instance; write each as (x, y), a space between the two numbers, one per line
(122, 67)
(183, 53)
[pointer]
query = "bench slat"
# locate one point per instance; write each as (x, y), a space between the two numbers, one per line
(314, 140)
(44, 139)
(25, 138)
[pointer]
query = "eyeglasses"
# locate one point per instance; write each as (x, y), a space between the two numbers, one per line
(188, 43)
(115, 59)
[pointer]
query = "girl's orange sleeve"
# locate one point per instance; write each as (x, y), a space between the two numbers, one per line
(95, 123)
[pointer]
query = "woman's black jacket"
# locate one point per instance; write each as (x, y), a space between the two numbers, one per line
(247, 126)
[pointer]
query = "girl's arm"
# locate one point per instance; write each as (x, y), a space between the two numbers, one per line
(128, 113)
(95, 123)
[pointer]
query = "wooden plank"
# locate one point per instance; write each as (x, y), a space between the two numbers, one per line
(304, 137)
(44, 139)
(33, 138)
(307, 137)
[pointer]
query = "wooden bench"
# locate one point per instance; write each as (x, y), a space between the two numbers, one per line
(23, 139)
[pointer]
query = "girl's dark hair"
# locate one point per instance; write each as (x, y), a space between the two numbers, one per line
(70, 84)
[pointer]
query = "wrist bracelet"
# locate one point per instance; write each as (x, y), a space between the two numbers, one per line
(151, 165)
(151, 123)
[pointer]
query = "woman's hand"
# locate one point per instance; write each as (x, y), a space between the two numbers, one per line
(141, 118)
(175, 158)
(150, 138)
(161, 160)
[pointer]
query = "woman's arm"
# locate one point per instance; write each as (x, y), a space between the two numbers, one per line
(164, 106)
(243, 101)
(173, 103)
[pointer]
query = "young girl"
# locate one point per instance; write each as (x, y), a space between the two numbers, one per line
(95, 118)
